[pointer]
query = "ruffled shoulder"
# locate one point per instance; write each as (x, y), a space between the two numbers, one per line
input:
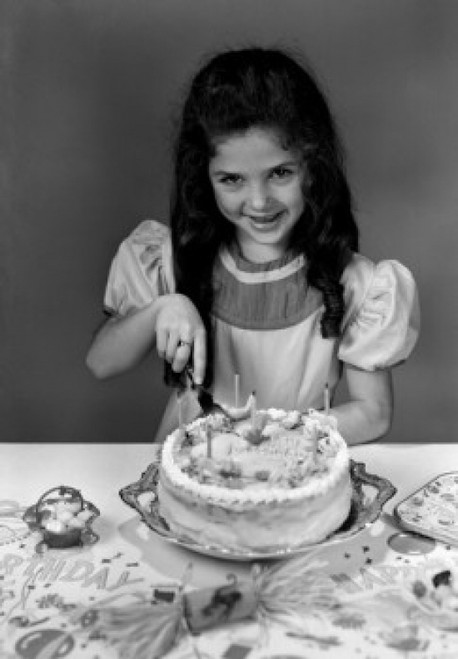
(382, 322)
(141, 270)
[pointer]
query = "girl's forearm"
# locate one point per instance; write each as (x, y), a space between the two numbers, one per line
(360, 421)
(122, 343)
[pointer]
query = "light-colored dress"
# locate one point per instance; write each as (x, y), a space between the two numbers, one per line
(267, 321)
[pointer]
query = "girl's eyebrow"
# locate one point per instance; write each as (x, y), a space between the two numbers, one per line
(287, 163)
(283, 163)
(223, 172)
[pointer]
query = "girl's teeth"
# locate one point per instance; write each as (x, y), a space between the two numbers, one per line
(264, 220)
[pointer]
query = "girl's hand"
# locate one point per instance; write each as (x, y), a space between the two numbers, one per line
(180, 334)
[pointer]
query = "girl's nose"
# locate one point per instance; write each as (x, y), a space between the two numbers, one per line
(258, 197)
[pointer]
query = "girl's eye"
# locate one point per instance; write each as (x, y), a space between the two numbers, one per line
(230, 179)
(281, 172)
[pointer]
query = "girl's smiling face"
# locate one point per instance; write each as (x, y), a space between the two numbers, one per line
(258, 187)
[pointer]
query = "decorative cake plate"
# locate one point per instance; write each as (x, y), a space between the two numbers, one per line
(370, 493)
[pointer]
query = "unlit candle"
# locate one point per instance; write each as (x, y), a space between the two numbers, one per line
(209, 439)
(180, 410)
(236, 387)
(253, 409)
(326, 399)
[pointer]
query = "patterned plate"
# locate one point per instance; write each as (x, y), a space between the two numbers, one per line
(370, 493)
(433, 509)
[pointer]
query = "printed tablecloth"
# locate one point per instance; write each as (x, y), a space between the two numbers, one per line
(48, 602)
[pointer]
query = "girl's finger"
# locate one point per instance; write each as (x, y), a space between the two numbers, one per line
(182, 355)
(161, 342)
(172, 346)
(199, 355)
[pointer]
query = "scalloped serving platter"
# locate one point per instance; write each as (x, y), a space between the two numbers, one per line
(370, 493)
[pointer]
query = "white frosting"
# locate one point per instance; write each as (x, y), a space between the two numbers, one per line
(271, 525)
(229, 496)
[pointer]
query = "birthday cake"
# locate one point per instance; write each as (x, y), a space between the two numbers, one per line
(272, 481)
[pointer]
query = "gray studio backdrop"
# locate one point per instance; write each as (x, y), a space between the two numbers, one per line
(89, 92)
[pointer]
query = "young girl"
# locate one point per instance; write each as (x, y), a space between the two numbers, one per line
(259, 274)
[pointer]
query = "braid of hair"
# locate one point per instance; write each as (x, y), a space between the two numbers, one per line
(334, 307)
(328, 238)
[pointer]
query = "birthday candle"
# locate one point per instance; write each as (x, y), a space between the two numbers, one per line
(209, 439)
(180, 410)
(326, 399)
(315, 445)
(236, 386)
(253, 409)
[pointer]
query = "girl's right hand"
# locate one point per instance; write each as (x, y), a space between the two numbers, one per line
(180, 334)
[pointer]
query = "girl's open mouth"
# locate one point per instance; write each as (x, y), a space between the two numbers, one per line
(265, 220)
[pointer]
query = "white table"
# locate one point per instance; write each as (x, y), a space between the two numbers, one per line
(128, 556)
(100, 470)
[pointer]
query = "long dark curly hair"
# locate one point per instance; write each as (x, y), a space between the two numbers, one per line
(264, 88)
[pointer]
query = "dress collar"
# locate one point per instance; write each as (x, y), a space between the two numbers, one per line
(249, 272)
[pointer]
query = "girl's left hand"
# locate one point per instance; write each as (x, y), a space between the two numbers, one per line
(181, 335)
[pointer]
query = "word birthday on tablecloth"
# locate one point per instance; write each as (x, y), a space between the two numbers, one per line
(379, 576)
(52, 569)
(88, 573)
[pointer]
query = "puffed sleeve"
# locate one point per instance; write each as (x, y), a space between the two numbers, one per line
(383, 318)
(141, 269)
